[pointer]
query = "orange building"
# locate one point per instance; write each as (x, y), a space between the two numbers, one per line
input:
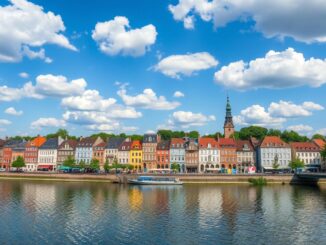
(98, 153)
(31, 153)
(228, 153)
(163, 154)
(8, 156)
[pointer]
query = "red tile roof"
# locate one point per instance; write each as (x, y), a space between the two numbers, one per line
(177, 141)
(136, 145)
(227, 142)
(204, 142)
(243, 144)
(273, 142)
(320, 143)
(305, 146)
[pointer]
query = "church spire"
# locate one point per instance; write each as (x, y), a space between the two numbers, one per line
(228, 123)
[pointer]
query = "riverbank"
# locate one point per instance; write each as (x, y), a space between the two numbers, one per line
(186, 178)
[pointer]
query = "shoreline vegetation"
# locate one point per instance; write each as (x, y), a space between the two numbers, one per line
(251, 179)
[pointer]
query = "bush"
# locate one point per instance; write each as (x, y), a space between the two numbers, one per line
(258, 181)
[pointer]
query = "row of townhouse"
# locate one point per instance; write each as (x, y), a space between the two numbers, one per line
(192, 155)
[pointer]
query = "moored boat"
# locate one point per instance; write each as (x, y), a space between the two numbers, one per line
(151, 180)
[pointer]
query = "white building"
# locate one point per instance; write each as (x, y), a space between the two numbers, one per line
(123, 152)
(177, 153)
(209, 155)
(47, 154)
(273, 150)
(246, 156)
(112, 149)
(308, 152)
(84, 149)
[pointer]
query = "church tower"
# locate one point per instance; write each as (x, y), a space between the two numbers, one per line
(228, 123)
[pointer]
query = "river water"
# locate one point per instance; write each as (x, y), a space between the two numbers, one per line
(36, 212)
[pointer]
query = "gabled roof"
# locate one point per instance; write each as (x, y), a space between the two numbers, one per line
(51, 143)
(12, 143)
(37, 142)
(163, 145)
(244, 145)
(150, 138)
(86, 142)
(114, 143)
(305, 146)
(71, 143)
(177, 143)
(273, 142)
(205, 142)
(101, 145)
(125, 146)
(227, 143)
(320, 143)
(136, 145)
(20, 146)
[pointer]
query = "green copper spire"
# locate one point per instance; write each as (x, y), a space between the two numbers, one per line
(228, 113)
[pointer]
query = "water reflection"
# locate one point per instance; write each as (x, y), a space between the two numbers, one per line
(83, 213)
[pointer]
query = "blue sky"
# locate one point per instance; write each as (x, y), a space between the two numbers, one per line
(194, 47)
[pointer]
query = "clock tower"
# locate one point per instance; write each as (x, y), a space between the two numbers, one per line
(228, 123)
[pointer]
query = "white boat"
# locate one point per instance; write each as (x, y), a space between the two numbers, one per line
(151, 180)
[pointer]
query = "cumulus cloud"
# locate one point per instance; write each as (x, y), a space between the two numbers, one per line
(48, 122)
(89, 100)
(4, 122)
(302, 17)
(116, 37)
(186, 119)
(301, 128)
(321, 131)
(178, 94)
(25, 25)
(113, 127)
(284, 69)
(176, 65)
(46, 86)
(23, 75)
(148, 100)
(276, 114)
(289, 109)
(12, 111)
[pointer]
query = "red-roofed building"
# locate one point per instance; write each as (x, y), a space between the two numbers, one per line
(308, 152)
(273, 150)
(209, 155)
(163, 154)
(31, 153)
(228, 154)
(320, 143)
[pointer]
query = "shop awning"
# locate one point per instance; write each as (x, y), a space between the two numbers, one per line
(45, 166)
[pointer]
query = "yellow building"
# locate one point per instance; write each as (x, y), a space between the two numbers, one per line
(136, 155)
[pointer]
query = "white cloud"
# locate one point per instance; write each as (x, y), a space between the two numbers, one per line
(13, 111)
(178, 94)
(116, 37)
(148, 100)
(49, 122)
(302, 17)
(186, 119)
(25, 25)
(89, 100)
(24, 75)
(321, 131)
(113, 127)
(176, 65)
(300, 128)
(257, 115)
(59, 86)
(4, 122)
(284, 69)
(289, 109)
(10, 94)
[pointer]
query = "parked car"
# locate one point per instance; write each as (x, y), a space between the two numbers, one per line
(2, 170)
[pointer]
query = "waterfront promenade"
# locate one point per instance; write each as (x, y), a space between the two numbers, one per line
(186, 178)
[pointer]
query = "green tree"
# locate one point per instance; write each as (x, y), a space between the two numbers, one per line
(193, 134)
(292, 136)
(95, 165)
(274, 132)
(254, 131)
(115, 165)
(130, 167)
(69, 162)
(236, 135)
(165, 134)
(18, 163)
(106, 166)
(318, 136)
(175, 167)
(296, 163)
(82, 165)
